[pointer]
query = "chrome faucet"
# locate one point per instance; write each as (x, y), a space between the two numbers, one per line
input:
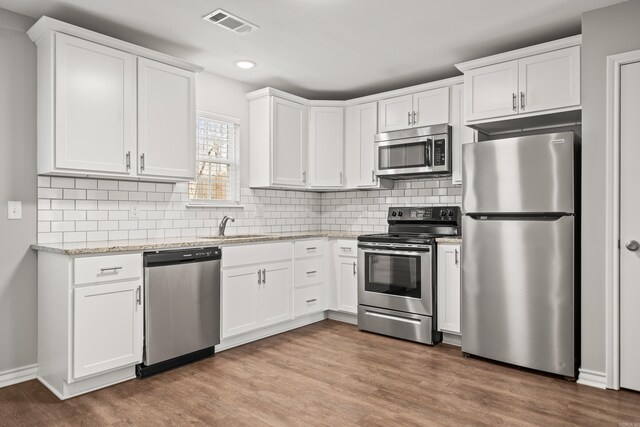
(223, 224)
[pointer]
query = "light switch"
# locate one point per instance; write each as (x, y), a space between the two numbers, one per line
(14, 210)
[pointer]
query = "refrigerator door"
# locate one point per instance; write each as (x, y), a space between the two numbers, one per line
(531, 174)
(518, 292)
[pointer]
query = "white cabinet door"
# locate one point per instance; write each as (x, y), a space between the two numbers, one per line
(289, 143)
(347, 285)
(166, 121)
(460, 134)
(491, 91)
(95, 107)
(395, 113)
(360, 130)
(107, 327)
(550, 80)
(431, 107)
(326, 145)
(240, 300)
(449, 288)
(276, 294)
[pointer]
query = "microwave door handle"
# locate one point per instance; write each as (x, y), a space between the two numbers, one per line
(429, 162)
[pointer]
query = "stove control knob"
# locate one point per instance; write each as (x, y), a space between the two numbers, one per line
(450, 213)
(394, 213)
(399, 213)
(443, 213)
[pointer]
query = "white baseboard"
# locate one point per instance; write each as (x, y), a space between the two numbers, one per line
(341, 316)
(18, 375)
(592, 378)
(452, 339)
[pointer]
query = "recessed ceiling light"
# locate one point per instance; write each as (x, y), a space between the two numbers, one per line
(245, 65)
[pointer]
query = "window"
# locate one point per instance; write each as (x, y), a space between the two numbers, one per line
(217, 177)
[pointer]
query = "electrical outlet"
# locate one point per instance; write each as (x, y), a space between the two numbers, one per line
(14, 210)
(134, 213)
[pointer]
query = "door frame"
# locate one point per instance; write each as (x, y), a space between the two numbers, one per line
(612, 217)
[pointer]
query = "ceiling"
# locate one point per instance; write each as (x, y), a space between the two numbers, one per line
(329, 49)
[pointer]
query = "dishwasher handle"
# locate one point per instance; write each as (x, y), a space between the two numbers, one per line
(182, 256)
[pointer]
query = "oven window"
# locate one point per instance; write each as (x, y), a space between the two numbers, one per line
(393, 274)
(402, 156)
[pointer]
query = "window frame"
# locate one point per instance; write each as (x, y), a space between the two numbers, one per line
(220, 203)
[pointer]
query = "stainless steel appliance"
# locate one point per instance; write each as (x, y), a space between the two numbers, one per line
(397, 273)
(519, 264)
(182, 307)
(413, 152)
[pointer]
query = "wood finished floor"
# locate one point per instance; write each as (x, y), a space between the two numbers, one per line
(329, 373)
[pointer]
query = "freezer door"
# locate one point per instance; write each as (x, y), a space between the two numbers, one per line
(531, 174)
(518, 292)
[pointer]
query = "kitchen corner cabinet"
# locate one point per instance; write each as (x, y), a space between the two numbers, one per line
(326, 147)
(346, 271)
(90, 321)
(360, 131)
(278, 141)
(105, 110)
(449, 260)
(460, 133)
(425, 108)
(537, 84)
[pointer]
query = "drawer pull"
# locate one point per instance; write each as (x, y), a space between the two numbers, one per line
(345, 248)
(312, 272)
(311, 300)
(114, 269)
(313, 248)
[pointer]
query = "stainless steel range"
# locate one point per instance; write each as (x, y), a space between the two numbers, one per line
(397, 273)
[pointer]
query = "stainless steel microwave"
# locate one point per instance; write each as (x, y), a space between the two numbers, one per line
(413, 152)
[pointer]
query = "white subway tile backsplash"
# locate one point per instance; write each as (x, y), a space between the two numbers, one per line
(118, 195)
(104, 184)
(63, 205)
(57, 182)
(70, 194)
(49, 193)
(87, 184)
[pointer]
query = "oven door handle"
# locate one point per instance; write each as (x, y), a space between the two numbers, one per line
(392, 252)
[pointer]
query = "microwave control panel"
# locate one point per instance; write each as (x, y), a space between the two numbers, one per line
(439, 152)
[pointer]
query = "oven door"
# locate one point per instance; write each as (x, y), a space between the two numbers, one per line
(396, 279)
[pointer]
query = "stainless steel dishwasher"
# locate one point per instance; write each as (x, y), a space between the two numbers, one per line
(182, 307)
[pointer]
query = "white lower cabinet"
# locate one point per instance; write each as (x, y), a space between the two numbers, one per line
(346, 275)
(449, 260)
(308, 300)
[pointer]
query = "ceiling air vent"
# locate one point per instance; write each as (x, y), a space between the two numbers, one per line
(230, 22)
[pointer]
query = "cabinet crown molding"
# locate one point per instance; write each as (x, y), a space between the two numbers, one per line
(47, 25)
(521, 53)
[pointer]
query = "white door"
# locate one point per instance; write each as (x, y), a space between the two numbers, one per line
(629, 227)
(95, 107)
(240, 300)
(431, 107)
(326, 146)
(492, 91)
(460, 134)
(348, 285)
(395, 113)
(360, 130)
(449, 288)
(107, 327)
(289, 144)
(166, 121)
(549, 80)
(276, 303)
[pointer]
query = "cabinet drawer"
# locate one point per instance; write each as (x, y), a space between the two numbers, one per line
(308, 272)
(308, 248)
(347, 248)
(255, 253)
(107, 268)
(308, 300)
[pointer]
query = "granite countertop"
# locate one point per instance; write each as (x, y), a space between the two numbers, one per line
(449, 240)
(186, 242)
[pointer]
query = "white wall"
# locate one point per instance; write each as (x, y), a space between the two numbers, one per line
(17, 182)
(605, 32)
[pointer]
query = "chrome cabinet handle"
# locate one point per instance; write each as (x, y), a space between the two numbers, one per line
(312, 248)
(522, 101)
(142, 161)
(128, 157)
(340, 174)
(414, 117)
(259, 277)
(633, 245)
(304, 176)
(139, 296)
(264, 275)
(345, 248)
(114, 269)
(373, 176)
(513, 101)
(456, 256)
(312, 300)
(354, 268)
(409, 118)
(312, 272)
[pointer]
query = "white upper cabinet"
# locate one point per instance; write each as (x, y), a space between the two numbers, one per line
(460, 133)
(539, 84)
(326, 146)
(95, 117)
(166, 121)
(425, 108)
(98, 117)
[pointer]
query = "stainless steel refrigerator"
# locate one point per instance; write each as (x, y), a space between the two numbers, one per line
(519, 295)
